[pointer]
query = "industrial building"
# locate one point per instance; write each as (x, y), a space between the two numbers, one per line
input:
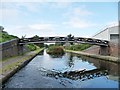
(110, 33)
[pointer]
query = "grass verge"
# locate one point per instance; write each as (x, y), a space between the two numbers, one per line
(14, 65)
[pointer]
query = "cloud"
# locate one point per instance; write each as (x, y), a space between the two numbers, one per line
(33, 29)
(80, 11)
(10, 17)
(78, 23)
(112, 23)
(78, 17)
(32, 7)
(60, 5)
(8, 13)
(12, 12)
(42, 26)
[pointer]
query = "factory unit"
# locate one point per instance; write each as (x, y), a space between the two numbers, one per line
(110, 33)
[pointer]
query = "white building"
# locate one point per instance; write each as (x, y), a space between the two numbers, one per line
(109, 33)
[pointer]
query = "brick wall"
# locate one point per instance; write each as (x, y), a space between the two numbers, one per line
(10, 48)
(113, 50)
(93, 50)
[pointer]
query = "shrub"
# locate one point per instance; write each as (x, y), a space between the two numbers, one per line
(4, 36)
(79, 47)
(55, 50)
(31, 47)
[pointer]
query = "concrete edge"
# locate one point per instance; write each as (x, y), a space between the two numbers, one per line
(105, 58)
(11, 73)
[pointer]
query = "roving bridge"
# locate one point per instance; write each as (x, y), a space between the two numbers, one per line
(64, 40)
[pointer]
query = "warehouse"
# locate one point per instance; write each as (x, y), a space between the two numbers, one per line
(110, 33)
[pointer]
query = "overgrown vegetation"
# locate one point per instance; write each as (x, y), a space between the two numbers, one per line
(78, 47)
(41, 45)
(55, 50)
(31, 47)
(4, 36)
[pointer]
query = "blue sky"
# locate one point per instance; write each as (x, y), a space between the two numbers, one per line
(82, 19)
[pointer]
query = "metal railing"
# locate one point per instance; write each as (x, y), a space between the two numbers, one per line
(64, 39)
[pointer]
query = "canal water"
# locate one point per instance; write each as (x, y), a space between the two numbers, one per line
(46, 71)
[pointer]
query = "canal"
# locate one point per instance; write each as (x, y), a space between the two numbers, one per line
(45, 71)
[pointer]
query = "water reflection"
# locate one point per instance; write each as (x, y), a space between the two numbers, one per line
(113, 68)
(56, 56)
(70, 60)
(77, 75)
(68, 71)
(41, 53)
(108, 69)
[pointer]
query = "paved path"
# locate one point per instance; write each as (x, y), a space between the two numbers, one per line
(15, 59)
(13, 62)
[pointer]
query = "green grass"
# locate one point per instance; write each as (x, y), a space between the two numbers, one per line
(13, 65)
(16, 64)
(6, 59)
(78, 47)
(31, 47)
(4, 36)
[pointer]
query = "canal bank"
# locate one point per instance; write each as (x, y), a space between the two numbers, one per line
(12, 65)
(44, 68)
(105, 58)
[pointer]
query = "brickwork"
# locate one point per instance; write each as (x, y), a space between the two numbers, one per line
(10, 48)
(93, 50)
(112, 50)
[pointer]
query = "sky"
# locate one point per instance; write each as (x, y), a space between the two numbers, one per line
(83, 19)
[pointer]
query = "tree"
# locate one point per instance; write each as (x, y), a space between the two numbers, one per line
(23, 37)
(38, 44)
(1, 28)
(36, 36)
(70, 37)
